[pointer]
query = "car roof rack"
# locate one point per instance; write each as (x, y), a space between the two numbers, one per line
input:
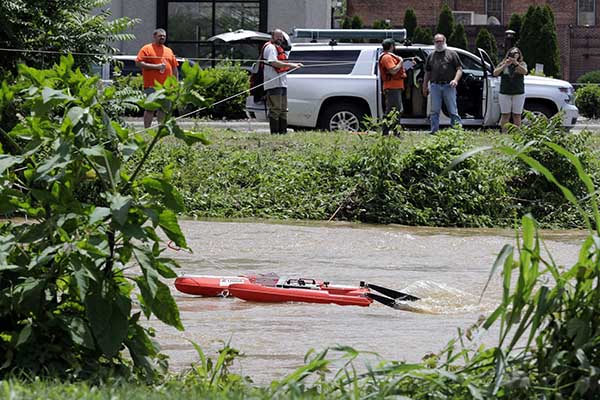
(336, 34)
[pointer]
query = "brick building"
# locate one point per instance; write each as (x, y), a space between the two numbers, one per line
(577, 22)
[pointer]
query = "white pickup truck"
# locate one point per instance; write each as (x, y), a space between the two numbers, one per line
(341, 85)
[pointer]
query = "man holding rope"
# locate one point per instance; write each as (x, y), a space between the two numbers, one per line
(276, 69)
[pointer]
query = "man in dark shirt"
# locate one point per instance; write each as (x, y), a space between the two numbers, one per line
(443, 70)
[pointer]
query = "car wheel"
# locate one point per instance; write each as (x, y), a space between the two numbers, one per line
(342, 117)
(540, 110)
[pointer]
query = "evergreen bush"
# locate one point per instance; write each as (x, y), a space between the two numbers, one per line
(357, 23)
(445, 24)
(514, 24)
(486, 41)
(347, 22)
(538, 40)
(410, 23)
(423, 36)
(459, 37)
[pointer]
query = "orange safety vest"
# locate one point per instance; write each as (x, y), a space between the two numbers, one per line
(385, 75)
(281, 56)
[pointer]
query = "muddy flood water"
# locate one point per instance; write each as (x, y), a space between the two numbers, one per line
(447, 268)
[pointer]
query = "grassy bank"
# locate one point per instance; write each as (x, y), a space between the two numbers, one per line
(363, 177)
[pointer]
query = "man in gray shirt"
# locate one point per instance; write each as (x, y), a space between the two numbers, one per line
(276, 69)
(443, 70)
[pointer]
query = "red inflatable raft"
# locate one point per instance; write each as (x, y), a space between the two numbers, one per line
(306, 293)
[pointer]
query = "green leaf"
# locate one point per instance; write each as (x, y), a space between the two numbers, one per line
(108, 320)
(168, 194)
(505, 253)
(99, 214)
(147, 261)
(24, 335)
(7, 161)
(188, 137)
(161, 304)
(119, 207)
(52, 95)
(77, 114)
(165, 307)
(168, 222)
(30, 294)
(80, 332)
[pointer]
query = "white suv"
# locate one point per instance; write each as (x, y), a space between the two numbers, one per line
(344, 86)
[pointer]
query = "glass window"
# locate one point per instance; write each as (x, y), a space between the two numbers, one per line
(494, 9)
(234, 16)
(586, 12)
(325, 62)
(189, 21)
(190, 24)
(469, 62)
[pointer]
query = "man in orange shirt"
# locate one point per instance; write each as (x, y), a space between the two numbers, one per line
(393, 75)
(157, 62)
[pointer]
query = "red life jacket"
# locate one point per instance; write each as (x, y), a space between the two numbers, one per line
(281, 56)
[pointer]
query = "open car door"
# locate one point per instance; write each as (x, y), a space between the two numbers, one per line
(491, 88)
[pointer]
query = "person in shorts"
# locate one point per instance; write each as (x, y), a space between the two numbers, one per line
(157, 62)
(512, 71)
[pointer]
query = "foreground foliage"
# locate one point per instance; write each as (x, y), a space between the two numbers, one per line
(548, 343)
(66, 300)
(42, 30)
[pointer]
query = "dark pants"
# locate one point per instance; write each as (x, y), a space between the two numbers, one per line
(393, 101)
(277, 105)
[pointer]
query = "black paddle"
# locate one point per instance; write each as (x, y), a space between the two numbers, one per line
(382, 299)
(395, 295)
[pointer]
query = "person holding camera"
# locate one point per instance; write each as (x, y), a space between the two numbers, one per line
(512, 87)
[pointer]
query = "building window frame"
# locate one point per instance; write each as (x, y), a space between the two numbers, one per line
(583, 6)
(162, 16)
(488, 4)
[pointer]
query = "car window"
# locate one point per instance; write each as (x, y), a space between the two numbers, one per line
(325, 62)
(469, 62)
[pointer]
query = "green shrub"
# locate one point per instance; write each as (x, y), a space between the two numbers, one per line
(587, 99)
(459, 37)
(445, 24)
(423, 36)
(514, 24)
(225, 80)
(486, 41)
(535, 194)
(410, 23)
(590, 77)
(416, 189)
(129, 91)
(66, 301)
